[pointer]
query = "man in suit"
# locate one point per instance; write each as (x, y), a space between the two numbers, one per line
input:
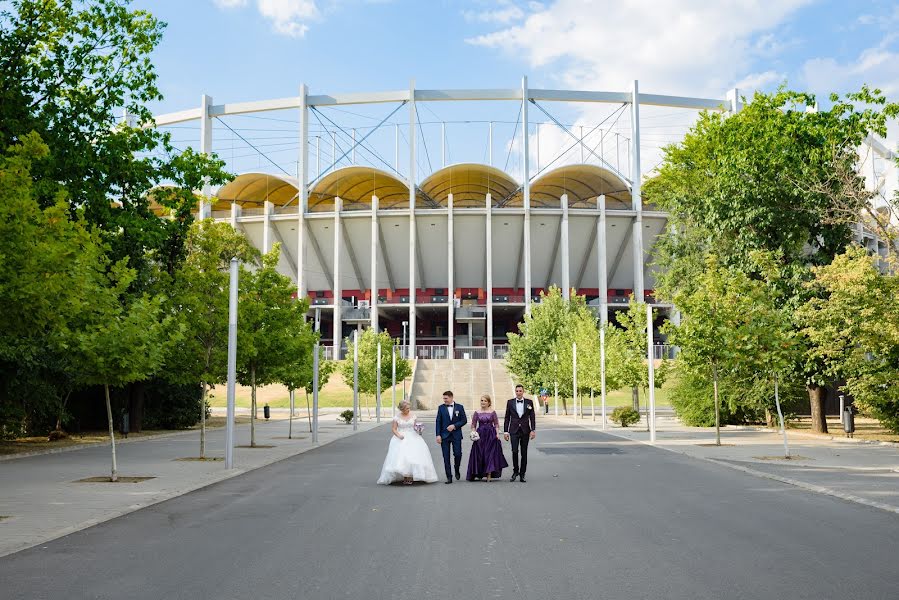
(450, 420)
(519, 426)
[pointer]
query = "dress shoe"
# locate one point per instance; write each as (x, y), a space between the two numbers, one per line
(458, 475)
(449, 480)
(514, 476)
(522, 479)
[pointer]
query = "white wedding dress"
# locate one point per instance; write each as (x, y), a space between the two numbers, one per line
(407, 457)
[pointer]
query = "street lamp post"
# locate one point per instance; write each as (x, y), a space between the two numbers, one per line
(315, 369)
(405, 355)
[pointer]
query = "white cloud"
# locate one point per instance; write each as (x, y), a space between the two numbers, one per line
(757, 81)
(506, 13)
(288, 17)
(692, 47)
(877, 66)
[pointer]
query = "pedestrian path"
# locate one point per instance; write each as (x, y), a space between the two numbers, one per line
(41, 497)
(865, 473)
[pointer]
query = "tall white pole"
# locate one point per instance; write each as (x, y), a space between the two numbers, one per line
(574, 377)
(592, 406)
(303, 198)
(232, 365)
(602, 371)
(315, 371)
(557, 397)
(355, 379)
(652, 379)
(636, 197)
(526, 192)
(780, 417)
(378, 390)
(413, 232)
(290, 417)
(393, 378)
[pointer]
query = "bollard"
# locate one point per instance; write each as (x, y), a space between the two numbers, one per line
(266, 412)
(126, 426)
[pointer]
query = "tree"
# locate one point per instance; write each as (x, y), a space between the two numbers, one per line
(122, 341)
(763, 180)
(270, 324)
(853, 321)
(69, 69)
(199, 306)
(368, 362)
(530, 356)
(718, 332)
(325, 368)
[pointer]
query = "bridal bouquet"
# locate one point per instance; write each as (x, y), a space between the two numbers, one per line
(474, 435)
(419, 427)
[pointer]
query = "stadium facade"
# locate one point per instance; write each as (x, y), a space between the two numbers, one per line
(450, 262)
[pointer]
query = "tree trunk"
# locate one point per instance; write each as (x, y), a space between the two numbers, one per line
(564, 405)
(309, 412)
(136, 410)
(780, 416)
(635, 396)
(816, 401)
(62, 409)
(203, 421)
(252, 407)
(115, 476)
(769, 419)
(717, 407)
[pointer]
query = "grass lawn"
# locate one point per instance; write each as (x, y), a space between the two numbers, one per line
(336, 393)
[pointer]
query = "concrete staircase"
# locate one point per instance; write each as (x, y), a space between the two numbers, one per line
(468, 379)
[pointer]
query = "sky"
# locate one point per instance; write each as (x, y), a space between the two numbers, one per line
(237, 50)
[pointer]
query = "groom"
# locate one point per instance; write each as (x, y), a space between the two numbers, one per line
(519, 425)
(450, 420)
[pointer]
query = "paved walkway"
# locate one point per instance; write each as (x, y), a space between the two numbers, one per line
(867, 473)
(41, 498)
(600, 517)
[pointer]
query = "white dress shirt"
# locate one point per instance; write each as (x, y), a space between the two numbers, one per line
(450, 407)
(519, 407)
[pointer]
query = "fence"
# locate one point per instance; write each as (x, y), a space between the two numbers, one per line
(466, 352)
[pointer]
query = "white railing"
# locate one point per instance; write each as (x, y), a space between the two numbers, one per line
(664, 351)
(467, 352)
(431, 352)
(500, 351)
(326, 353)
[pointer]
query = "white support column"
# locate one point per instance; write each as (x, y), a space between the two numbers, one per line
(374, 264)
(733, 101)
(526, 177)
(267, 226)
(490, 144)
(637, 235)
(601, 234)
(489, 270)
(303, 198)
(566, 270)
(235, 214)
(205, 148)
(412, 231)
(338, 323)
(450, 271)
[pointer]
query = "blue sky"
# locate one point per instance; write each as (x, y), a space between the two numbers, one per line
(240, 50)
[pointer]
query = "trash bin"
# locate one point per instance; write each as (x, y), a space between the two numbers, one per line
(266, 412)
(849, 420)
(125, 424)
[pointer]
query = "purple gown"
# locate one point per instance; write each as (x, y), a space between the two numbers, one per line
(486, 453)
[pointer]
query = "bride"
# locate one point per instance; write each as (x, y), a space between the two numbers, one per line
(408, 457)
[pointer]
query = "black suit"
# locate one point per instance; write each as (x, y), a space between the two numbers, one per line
(519, 430)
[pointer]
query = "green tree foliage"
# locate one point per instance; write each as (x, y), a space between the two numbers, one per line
(630, 361)
(198, 303)
(368, 362)
(853, 322)
(775, 178)
(69, 70)
(272, 331)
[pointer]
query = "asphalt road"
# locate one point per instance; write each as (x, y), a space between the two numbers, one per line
(598, 518)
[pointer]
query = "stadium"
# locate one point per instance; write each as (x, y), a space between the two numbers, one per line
(450, 258)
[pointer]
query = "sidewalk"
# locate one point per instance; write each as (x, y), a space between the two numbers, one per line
(41, 498)
(866, 473)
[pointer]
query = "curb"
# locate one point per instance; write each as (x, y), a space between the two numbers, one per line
(224, 476)
(794, 482)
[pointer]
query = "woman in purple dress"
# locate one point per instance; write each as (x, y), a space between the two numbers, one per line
(486, 458)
